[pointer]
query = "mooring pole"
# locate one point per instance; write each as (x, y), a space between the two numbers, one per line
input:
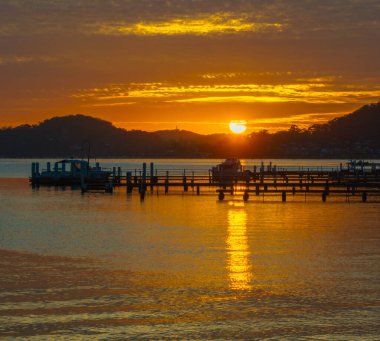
(118, 175)
(113, 174)
(167, 182)
(283, 196)
(143, 183)
(129, 182)
(185, 187)
(364, 196)
(83, 168)
(151, 176)
(33, 173)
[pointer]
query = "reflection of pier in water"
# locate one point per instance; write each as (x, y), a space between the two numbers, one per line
(239, 267)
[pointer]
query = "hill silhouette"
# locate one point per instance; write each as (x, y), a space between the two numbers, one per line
(352, 136)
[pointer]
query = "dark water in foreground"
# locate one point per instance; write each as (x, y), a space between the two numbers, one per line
(101, 266)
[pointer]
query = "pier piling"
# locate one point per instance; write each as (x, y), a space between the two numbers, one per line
(283, 196)
(364, 196)
(221, 195)
(245, 196)
(129, 183)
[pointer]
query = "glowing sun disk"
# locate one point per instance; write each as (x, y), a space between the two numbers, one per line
(238, 127)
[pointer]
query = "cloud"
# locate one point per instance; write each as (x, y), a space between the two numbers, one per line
(324, 91)
(220, 23)
(151, 17)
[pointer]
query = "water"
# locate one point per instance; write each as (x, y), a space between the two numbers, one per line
(100, 266)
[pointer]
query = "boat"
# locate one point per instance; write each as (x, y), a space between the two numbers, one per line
(363, 166)
(69, 172)
(229, 170)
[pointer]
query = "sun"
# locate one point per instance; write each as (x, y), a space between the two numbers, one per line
(238, 127)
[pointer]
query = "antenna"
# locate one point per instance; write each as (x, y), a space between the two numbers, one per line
(88, 151)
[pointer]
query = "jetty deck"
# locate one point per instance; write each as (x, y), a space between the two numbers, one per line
(359, 180)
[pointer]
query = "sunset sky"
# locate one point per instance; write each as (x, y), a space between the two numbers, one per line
(191, 64)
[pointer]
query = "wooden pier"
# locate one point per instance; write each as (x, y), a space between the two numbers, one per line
(262, 180)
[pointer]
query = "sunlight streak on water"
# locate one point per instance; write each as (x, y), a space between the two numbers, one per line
(239, 267)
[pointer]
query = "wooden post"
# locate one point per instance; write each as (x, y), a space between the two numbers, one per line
(33, 174)
(167, 182)
(324, 196)
(118, 175)
(151, 176)
(185, 187)
(221, 195)
(83, 185)
(143, 181)
(245, 196)
(198, 190)
(283, 196)
(113, 174)
(129, 182)
(364, 196)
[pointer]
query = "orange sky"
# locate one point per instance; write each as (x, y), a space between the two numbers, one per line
(191, 64)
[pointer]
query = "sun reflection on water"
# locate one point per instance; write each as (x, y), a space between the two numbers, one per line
(238, 264)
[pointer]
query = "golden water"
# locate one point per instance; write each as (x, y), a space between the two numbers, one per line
(99, 266)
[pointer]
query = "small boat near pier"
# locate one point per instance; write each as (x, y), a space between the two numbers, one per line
(69, 172)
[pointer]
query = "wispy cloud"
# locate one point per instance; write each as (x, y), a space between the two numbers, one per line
(220, 23)
(114, 104)
(313, 92)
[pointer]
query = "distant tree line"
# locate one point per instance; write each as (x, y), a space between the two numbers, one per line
(352, 136)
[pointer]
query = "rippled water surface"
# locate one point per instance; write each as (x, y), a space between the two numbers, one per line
(101, 266)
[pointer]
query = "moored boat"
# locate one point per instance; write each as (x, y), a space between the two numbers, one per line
(229, 170)
(68, 172)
